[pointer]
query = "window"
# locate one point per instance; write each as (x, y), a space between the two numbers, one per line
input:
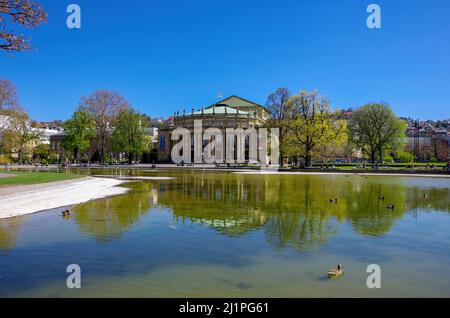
(162, 142)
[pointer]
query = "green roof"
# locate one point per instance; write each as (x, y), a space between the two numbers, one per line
(220, 110)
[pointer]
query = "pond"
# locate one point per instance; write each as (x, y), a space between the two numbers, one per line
(222, 234)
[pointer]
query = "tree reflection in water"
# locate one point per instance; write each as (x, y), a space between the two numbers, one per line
(9, 229)
(107, 219)
(294, 210)
(291, 210)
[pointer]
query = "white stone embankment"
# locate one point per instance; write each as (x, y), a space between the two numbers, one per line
(26, 199)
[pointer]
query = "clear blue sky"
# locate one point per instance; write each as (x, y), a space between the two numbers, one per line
(168, 55)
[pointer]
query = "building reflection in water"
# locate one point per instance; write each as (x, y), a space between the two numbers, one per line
(291, 211)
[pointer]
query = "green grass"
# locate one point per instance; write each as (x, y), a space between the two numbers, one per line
(391, 166)
(26, 177)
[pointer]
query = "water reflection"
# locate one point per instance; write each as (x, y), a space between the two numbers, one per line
(9, 229)
(295, 210)
(290, 211)
(107, 219)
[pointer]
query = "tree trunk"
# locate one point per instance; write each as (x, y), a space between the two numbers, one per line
(281, 155)
(307, 159)
(380, 151)
(102, 154)
(130, 159)
(372, 156)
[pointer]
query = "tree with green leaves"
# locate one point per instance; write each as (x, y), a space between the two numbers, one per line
(130, 134)
(312, 126)
(20, 135)
(374, 128)
(41, 152)
(80, 130)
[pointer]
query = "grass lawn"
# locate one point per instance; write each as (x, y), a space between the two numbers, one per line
(392, 166)
(26, 177)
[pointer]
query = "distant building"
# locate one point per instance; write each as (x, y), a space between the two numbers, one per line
(46, 133)
(231, 112)
(56, 143)
(427, 142)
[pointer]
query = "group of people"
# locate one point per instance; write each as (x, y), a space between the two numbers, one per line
(447, 167)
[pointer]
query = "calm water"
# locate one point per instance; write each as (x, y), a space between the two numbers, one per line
(224, 235)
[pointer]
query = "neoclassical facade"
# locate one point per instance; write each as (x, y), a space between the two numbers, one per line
(231, 112)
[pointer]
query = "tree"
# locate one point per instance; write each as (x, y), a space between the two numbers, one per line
(277, 104)
(24, 13)
(41, 152)
(130, 134)
(20, 134)
(312, 126)
(8, 96)
(374, 128)
(8, 101)
(80, 129)
(4, 123)
(105, 106)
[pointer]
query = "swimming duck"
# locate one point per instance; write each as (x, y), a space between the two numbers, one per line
(65, 213)
(337, 271)
(333, 201)
(390, 207)
(381, 197)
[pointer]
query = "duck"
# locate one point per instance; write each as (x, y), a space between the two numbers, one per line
(336, 271)
(381, 197)
(65, 213)
(333, 201)
(390, 207)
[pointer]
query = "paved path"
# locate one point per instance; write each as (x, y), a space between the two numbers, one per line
(6, 175)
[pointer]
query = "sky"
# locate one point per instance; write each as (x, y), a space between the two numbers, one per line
(169, 55)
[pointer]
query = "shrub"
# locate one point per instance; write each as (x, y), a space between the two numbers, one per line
(388, 159)
(405, 157)
(52, 158)
(4, 160)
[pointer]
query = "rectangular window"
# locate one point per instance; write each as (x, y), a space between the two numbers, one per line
(162, 142)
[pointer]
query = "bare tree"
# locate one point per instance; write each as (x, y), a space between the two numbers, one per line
(8, 102)
(105, 106)
(277, 104)
(4, 123)
(24, 13)
(8, 95)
